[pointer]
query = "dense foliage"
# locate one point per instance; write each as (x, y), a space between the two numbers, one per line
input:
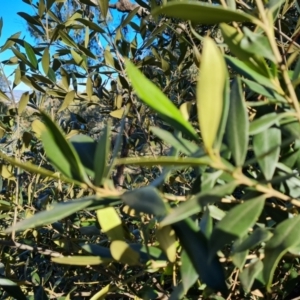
(157, 155)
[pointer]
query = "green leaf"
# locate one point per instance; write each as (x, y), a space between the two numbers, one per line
(9, 43)
(248, 72)
(79, 59)
(123, 253)
(257, 43)
(89, 87)
(210, 92)
(65, 78)
(239, 258)
(67, 101)
(266, 146)
(249, 274)
(263, 123)
(146, 200)
(4, 96)
(81, 260)
(236, 223)
(237, 124)
(194, 204)
(210, 271)
(258, 236)
(101, 157)
(109, 60)
(37, 170)
(23, 102)
(12, 289)
(85, 147)
(188, 273)
(200, 12)
(110, 223)
(67, 39)
(130, 16)
(57, 212)
(167, 241)
(154, 98)
(30, 54)
(185, 146)
(261, 90)
(233, 38)
(91, 25)
(61, 153)
(103, 5)
(285, 237)
(104, 291)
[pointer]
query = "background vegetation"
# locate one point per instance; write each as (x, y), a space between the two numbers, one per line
(157, 155)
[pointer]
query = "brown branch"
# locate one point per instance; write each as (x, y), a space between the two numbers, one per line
(40, 250)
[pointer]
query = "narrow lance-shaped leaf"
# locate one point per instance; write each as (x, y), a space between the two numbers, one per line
(9, 43)
(195, 244)
(61, 153)
(67, 101)
(46, 60)
(266, 146)
(30, 54)
(233, 38)
(285, 237)
(151, 95)
(203, 13)
(237, 124)
(236, 223)
(101, 157)
(103, 5)
(23, 102)
(146, 200)
(58, 212)
(110, 223)
(210, 92)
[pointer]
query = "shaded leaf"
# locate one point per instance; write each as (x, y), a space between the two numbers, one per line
(101, 156)
(266, 146)
(210, 271)
(237, 124)
(57, 212)
(30, 54)
(236, 223)
(146, 200)
(285, 237)
(194, 204)
(61, 153)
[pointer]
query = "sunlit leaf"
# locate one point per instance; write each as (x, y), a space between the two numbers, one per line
(67, 101)
(23, 102)
(200, 12)
(210, 92)
(151, 95)
(110, 223)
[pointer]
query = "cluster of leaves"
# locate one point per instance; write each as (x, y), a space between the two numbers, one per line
(191, 189)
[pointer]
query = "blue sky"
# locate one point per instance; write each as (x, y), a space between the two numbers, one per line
(13, 23)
